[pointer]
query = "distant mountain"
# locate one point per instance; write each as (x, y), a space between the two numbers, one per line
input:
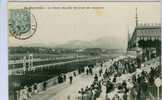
(109, 43)
(103, 42)
(76, 44)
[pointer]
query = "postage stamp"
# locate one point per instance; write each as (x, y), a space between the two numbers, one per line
(22, 24)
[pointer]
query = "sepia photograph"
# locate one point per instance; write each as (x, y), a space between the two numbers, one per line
(84, 51)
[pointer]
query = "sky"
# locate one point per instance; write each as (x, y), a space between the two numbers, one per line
(59, 26)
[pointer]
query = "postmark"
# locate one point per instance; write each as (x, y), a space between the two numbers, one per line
(22, 24)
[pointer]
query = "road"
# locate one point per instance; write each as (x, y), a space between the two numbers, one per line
(64, 90)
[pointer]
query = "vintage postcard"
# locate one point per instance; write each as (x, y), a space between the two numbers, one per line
(84, 50)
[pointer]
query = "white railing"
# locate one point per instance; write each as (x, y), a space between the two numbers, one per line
(21, 70)
(47, 59)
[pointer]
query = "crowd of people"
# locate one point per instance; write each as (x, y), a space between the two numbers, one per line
(92, 92)
(121, 80)
(28, 91)
(134, 86)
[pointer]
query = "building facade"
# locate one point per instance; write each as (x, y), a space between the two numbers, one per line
(146, 40)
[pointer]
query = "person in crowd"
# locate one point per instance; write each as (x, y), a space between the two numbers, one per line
(102, 64)
(81, 92)
(64, 77)
(134, 78)
(35, 88)
(100, 72)
(124, 84)
(86, 89)
(138, 92)
(116, 97)
(133, 93)
(95, 77)
(79, 70)
(68, 97)
(114, 79)
(90, 70)
(89, 94)
(59, 79)
(87, 70)
(71, 79)
(74, 74)
(29, 91)
(25, 93)
(44, 85)
(129, 84)
(125, 96)
(94, 95)
(144, 90)
(109, 86)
